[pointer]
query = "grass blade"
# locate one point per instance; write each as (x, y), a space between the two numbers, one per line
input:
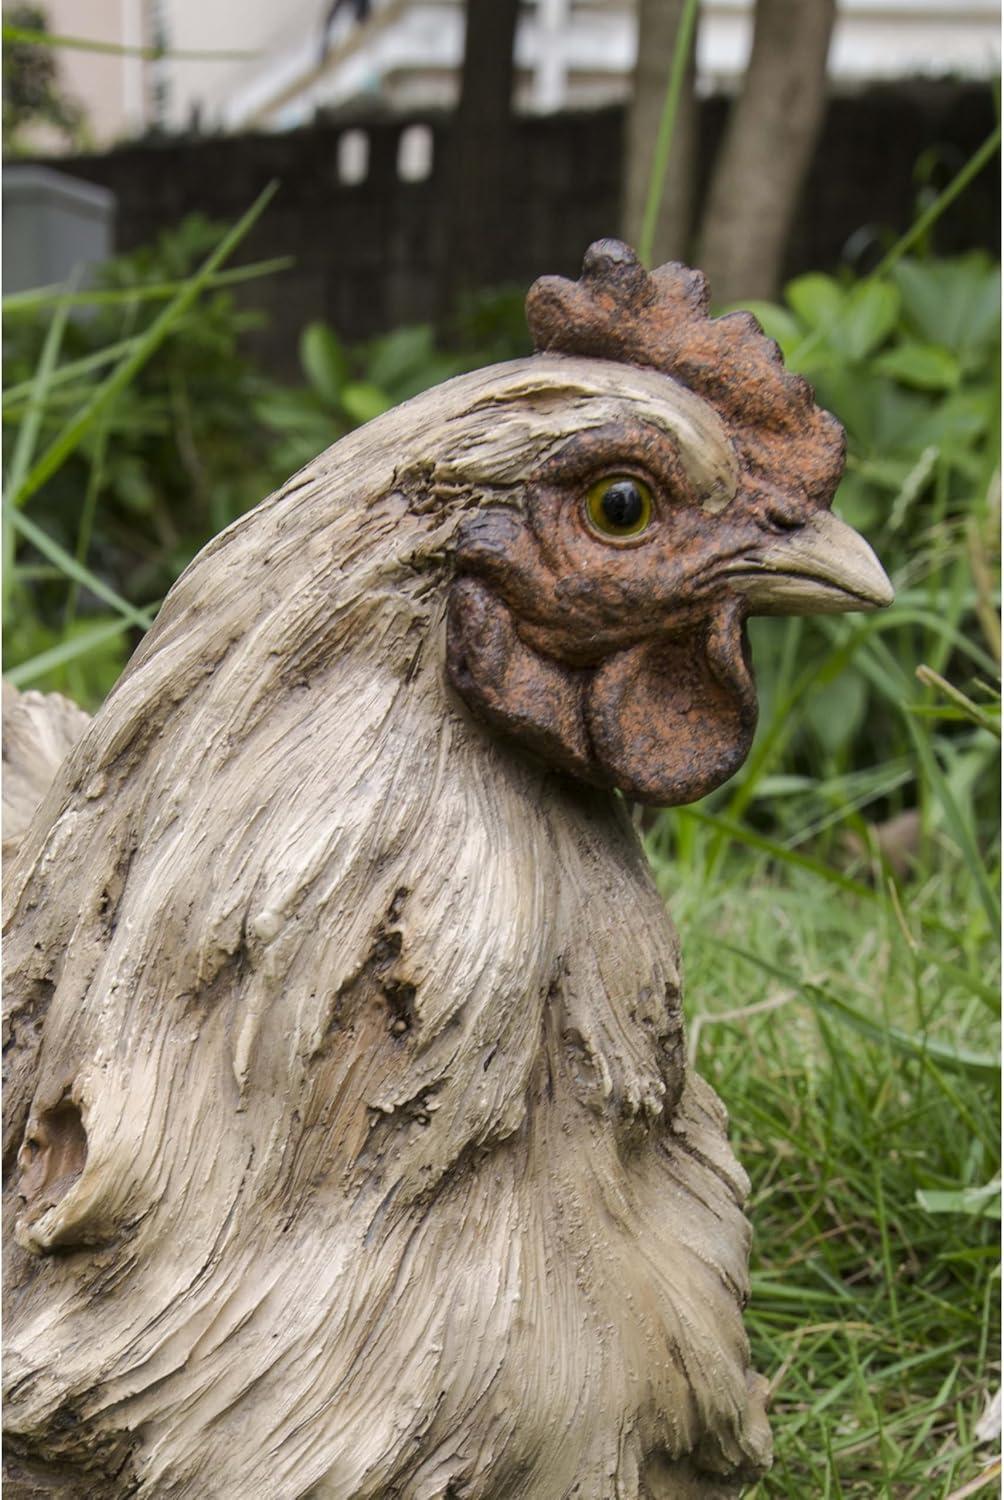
(916, 232)
(61, 448)
(667, 125)
(27, 35)
(959, 825)
(71, 568)
(73, 369)
(780, 852)
(27, 436)
(154, 291)
(919, 1048)
(933, 213)
(67, 651)
(966, 707)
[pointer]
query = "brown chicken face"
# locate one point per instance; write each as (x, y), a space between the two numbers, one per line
(606, 645)
(604, 626)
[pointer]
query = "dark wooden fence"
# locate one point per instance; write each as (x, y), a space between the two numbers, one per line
(375, 253)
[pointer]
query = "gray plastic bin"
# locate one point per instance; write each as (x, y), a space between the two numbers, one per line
(51, 223)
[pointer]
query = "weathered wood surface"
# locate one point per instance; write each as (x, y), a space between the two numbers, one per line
(360, 1154)
(39, 731)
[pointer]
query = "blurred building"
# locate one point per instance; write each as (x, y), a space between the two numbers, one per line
(112, 88)
(254, 64)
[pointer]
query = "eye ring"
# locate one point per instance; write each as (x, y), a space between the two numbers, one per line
(782, 524)
(619, 508)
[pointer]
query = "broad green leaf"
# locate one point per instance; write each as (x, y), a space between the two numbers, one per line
(882, 418)
(926, 366)
(836, 710)
(866, 319)
(858, 502)
(324, 361)
(441, 367)
(815, 299)
(290, 411)
(399, 356)
(362, 401)
(954, 303)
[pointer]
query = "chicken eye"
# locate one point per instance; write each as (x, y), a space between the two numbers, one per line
(619, 507)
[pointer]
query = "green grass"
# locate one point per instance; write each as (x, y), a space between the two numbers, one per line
(849, 1020)
(874, 1319)
(844, 1000)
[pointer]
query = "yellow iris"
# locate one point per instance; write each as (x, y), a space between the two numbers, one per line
(619, 506)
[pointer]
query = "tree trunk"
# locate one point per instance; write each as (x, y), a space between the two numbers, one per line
(767, 149)
(481, 148)
(658, 27)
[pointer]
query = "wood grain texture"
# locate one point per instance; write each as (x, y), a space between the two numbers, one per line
(392, 1178)
(39, 731)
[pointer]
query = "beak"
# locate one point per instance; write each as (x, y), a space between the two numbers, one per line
(823, 568)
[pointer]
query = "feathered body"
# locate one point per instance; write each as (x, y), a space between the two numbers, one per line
(395, 1180)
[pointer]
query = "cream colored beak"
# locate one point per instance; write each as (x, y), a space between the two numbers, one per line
(823, 568)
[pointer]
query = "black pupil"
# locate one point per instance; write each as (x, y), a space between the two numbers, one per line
(622, 504)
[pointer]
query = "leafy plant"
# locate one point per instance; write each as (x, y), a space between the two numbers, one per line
(910, 365)
(127, 463)
(846, 886)
(348, 386)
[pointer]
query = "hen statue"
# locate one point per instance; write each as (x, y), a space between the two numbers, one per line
(358, 1154)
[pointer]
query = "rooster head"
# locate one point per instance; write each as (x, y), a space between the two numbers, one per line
(601, 621)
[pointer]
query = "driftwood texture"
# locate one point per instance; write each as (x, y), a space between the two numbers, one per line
(359, 1157)
(39, 731)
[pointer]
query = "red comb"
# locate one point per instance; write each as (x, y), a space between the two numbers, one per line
(618, 311)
